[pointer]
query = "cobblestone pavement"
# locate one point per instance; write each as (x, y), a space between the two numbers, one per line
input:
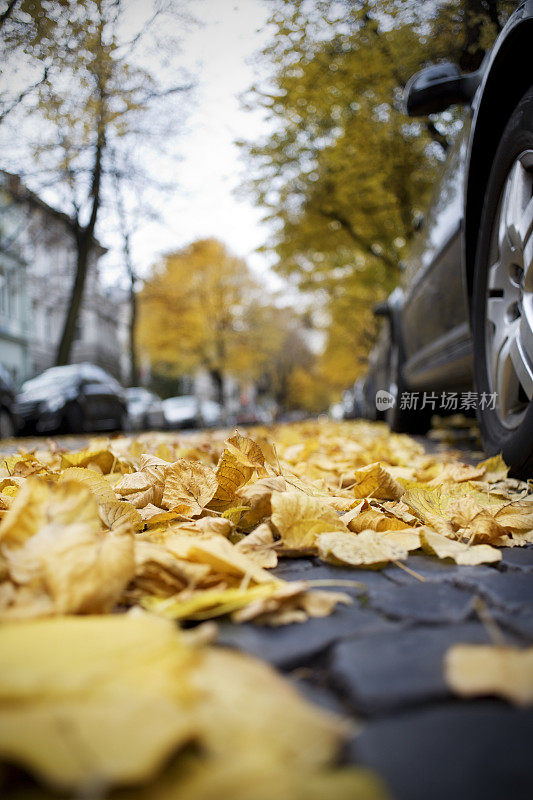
(381, 662)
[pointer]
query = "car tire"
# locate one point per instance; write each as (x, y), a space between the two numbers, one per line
(74, 419)
(7, 426)
(402, 420)
(502, 301)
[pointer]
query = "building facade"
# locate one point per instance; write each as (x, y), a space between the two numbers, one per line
(37, 249)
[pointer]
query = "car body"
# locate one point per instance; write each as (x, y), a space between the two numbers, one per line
(353, 401)
(8, 419)
(145, 409)
(212, 413)
(74, 398)
(182, 412)
(426, 344)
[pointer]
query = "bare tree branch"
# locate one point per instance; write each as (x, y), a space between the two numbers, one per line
(25, 92)
(368, 247)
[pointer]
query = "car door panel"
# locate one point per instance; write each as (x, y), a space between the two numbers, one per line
(94, 394)
(435, 295)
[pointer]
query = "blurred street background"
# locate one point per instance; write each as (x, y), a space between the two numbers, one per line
(203, 201)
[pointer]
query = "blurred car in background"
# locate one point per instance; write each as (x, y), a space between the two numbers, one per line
(74, 399)
(145, 409)
(8, 421)
(353, 401)
(336, 411)
(182, 412)
(212, 413)
(463, 319)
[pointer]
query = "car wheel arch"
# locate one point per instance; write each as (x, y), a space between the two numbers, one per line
(508, 79)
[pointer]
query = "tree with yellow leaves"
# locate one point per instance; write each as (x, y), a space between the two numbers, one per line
(341, 170)
(195, 312)
(202, 309)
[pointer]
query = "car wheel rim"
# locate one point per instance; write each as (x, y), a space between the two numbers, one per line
(509, 317)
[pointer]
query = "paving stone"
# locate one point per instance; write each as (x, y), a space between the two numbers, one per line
(512, 591)
(422, 602)
(317, 692)
(519, 623)
(461, 751)
(292, 646)
(434, 570)
(291, 569)
(294, 566)
(388, 671)
(518, 558)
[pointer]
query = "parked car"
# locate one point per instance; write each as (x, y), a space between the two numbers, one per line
(212, 413)
(75, 398)
(463, 319)
(182, 412)
(8, 420)
(353, 401)
(145, 409)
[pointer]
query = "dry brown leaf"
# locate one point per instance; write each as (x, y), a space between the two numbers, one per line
(442, 547)
(373, 519)
(102, 459)
(516, 517)
(137, 488)
(366, 549)
(92, 480)
(222, 556)
(119, 515)
(256, 496)
(189, 486)
(240, 458)
(299, 519)
(458, 472)
(153, 515)
(160, 572)
(475, 670)
(495, 469)
(88, 576)
(259, 546)
(374, 481)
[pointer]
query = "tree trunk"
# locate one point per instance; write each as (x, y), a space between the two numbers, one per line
(218, 379)
(128, 263)
(85, 233)
(83, 244)
(134, 366)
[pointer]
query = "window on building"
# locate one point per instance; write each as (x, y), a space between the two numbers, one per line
(13, 294)
(3, 292)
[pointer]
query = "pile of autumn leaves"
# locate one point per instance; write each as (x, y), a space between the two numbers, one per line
(189, 528)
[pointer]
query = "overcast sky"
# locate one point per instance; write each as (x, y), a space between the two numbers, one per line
(218, 53)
